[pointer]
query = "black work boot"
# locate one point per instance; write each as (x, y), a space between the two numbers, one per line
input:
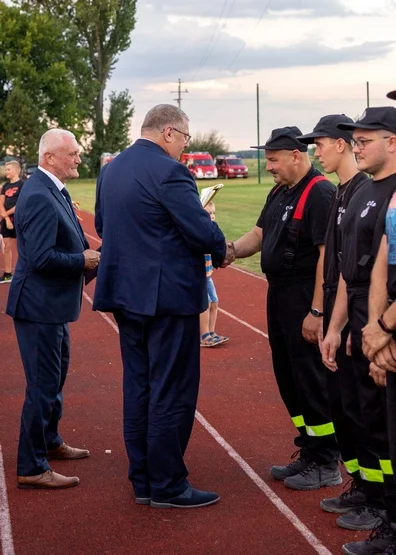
(352, 498)
(298, 463)
(380, 540)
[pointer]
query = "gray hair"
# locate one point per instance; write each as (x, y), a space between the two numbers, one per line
(163, 115)
(52, 139)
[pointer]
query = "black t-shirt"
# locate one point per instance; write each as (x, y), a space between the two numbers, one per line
(11, 192)
(362, 228)
(275, 219)
(341, 199)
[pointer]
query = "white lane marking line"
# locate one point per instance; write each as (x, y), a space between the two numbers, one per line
(104, 316)
(251, 274)
(248, 470)
(7, 543)
(243, 322)
(270, 494)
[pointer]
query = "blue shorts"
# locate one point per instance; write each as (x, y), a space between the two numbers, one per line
(212, 295)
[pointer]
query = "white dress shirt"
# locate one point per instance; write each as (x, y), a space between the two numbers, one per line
(57, 181)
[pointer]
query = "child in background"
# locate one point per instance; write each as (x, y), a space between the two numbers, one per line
(8, 198)
(209, 337)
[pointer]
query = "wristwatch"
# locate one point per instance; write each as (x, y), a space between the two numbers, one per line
(315, 312)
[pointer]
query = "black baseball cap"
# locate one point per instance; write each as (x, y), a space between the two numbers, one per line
(392, 95)
(284, 138)
(373, 119)
(327, 127)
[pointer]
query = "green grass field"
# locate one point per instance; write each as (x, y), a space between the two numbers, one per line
(238, 204)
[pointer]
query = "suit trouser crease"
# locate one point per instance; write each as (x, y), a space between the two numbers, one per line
(298, 368)
(161, 360)
(44, 350)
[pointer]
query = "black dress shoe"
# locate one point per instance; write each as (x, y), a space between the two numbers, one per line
(142, 500)
(190, 499)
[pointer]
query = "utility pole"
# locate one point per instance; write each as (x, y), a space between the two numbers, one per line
(367, 94)
(179, 93)
(258, 132)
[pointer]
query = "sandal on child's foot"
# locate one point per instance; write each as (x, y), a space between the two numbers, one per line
(207, 340)
(221, 338)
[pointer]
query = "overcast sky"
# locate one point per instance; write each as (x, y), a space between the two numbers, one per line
(310, 57)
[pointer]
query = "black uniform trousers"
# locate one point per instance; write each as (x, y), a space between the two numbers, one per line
(343, 396)
(299, 371)
(45, 352)
(161, 360)
(391, 413)
(373, 453)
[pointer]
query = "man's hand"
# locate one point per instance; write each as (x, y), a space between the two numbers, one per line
(92, 259)
(374, 339)
(386, 357)
(230, 255)
(311, 328)
(330, 345)
(378, 374)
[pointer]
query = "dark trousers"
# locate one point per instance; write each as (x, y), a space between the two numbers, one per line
(44, 351)
(299, 371)
(161, 359)
(343, 396)
(391, 413)
(373, 453)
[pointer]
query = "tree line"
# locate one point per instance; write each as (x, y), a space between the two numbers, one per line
(56, 57)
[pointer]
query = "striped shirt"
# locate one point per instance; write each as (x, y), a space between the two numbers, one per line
(208, 265)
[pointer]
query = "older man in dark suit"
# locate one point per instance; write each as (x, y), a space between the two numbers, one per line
(45, 295)
(152, 277)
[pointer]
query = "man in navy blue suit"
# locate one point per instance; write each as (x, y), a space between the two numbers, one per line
(45, 295)
(152, 277)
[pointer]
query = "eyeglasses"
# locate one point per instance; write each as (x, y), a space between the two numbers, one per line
(187, 137)
(362, 143)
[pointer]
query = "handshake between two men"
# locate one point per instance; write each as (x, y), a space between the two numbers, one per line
(230, 254)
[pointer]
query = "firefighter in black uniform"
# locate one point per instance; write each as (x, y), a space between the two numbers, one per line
(290, 234)
(379, 343)
(334, 151)
(362, 229)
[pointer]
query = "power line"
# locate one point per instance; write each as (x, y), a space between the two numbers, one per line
(245, 43)
(212, 42)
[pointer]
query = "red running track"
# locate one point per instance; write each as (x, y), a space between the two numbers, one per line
(242, 429)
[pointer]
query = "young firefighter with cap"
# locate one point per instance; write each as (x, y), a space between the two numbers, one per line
(362, 227)
(334, 151)
(290, 235)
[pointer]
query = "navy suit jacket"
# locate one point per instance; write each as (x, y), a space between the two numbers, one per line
(154, 235)
(48, 279)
